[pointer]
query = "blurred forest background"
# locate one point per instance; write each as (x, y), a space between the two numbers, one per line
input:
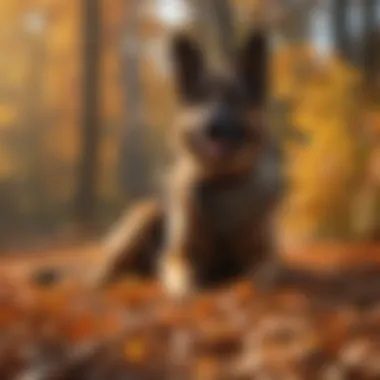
(86, 102)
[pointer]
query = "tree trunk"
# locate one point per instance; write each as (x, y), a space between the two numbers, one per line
(134, 158)
(340, 23)
(370, 41)
(31, 185)
(88, 168)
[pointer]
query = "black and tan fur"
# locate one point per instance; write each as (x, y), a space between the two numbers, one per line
(214, 220)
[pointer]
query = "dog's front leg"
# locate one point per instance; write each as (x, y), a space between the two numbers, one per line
(176, 271)
(128, 245)
(181, 257)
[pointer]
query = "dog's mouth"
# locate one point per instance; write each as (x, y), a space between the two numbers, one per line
(218, 149)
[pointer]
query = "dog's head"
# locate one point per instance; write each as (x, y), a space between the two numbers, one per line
(220, 125)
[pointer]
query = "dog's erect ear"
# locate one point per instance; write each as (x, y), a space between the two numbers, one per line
(253, 66)
(188, 64)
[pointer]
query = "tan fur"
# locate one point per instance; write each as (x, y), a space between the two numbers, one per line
(130, 243)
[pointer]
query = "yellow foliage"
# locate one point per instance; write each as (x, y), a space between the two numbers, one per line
(62, 143)
(283, 73)
(8, 164)
(371, 121)
(8, 115)
(321, 172)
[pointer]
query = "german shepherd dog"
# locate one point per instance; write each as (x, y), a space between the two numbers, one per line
(214, 221)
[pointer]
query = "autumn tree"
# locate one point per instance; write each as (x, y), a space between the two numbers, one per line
(88, 168)
(134, 158)
(341, 30)
(34, 112)
(370, 43)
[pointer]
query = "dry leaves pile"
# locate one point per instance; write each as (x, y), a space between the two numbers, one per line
(309, 330)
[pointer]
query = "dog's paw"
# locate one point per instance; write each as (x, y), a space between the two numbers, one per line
(175, 276)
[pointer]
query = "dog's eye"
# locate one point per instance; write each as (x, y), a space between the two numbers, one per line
(201, 93)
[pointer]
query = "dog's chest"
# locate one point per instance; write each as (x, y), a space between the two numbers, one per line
(226, 207)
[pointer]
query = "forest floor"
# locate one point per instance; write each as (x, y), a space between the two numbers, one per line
(69, 257)
(322, 322)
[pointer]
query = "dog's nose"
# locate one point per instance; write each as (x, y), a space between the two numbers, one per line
(216, 131)
(224, 127)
